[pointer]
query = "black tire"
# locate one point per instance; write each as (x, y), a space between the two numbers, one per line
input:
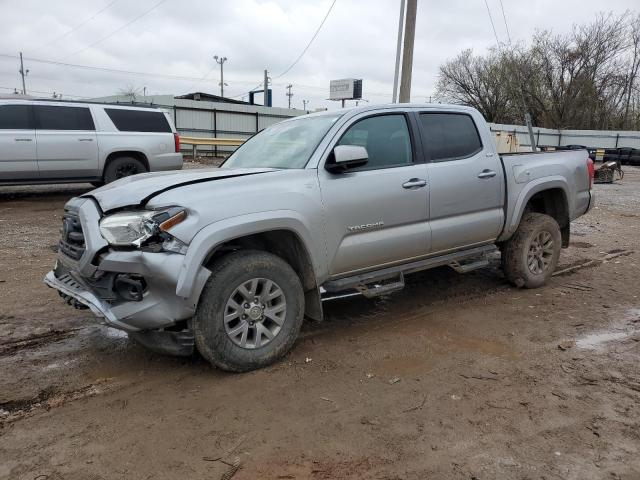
(227, 275)
(515, 261)
(122, 167)
(97, 184)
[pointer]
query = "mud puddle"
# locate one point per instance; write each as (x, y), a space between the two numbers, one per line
(626, 328)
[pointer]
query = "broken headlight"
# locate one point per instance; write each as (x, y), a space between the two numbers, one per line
(133, 228)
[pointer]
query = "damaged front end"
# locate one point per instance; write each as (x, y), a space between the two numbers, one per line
(124, 267)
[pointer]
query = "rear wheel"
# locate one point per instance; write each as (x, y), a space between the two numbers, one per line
(123, 167)
(250, 311)
(531, 255)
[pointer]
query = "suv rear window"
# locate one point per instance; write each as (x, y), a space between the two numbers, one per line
(54, 117)
(450, 136)
(15, 117)
(138, 120)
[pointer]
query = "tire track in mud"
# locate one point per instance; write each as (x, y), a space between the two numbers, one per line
(12, 346)
(13, 410)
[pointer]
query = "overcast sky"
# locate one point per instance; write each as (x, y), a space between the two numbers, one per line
(180, 37)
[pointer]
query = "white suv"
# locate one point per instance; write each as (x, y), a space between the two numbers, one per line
(44, 141)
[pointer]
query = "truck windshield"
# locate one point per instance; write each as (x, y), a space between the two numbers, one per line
(283, 145)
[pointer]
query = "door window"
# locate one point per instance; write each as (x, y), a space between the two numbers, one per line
(450, 136)
(15, 117)
(138, 120)
(386, 138)
(53, 117)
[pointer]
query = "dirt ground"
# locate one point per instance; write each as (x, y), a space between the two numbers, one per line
(455, 377)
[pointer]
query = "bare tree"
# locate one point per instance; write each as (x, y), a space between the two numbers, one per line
(588, 78)
(129, 91)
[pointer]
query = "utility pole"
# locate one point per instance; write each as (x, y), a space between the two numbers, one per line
(220, 61)
(407, 53)
(23, 74)
(289, 94)
(304, 104)
(398, 53)
(266, 89)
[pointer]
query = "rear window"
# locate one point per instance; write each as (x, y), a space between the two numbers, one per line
(450, 135)
(138, 120)
(15, 117)
(53, 117)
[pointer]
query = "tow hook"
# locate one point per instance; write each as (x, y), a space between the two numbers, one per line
(130, 287)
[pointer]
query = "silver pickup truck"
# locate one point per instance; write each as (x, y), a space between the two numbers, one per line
(230, 260)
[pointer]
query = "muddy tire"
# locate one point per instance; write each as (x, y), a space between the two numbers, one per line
(531, 255)
(122, 167)
(250, 311)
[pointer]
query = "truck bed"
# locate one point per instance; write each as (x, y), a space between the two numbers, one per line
(527, 173)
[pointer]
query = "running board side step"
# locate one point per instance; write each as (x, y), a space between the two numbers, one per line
(462, 267)
(381, 287)
(390, 279)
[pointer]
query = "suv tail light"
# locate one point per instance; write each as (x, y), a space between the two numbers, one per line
(176, 141)
(592, 172)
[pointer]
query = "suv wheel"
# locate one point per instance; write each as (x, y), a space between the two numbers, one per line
(250, 311)
(123, 167)
(531, 255)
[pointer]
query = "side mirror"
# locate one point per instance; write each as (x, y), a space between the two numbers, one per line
(345, 157)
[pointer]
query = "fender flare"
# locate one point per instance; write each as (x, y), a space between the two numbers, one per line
(532, 188)
(215, 234)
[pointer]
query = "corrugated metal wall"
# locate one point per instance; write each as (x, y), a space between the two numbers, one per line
(213, 119)
(554, 138)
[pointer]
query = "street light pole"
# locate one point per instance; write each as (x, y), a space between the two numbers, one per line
(220, 61)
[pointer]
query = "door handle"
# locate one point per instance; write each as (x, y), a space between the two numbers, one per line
(486, 173)
(23, 139)
(414, 183)
(85, 139)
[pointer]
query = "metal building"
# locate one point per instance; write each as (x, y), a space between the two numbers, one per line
(204, 115)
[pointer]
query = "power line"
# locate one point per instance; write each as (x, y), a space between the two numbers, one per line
(135, 19)
(308, 44)
(511, 63)
(68, 32)
(506, 26)
(249, 91)
(495, 34)
(104, 69)
(13, 89)
(202, 79)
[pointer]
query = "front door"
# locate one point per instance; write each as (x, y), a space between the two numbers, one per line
(378, 214)
(17, 143)
(67, 142)
(467, 183)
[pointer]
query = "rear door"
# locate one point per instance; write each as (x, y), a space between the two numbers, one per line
(467, 183)
(377, 214)
(66, 140)
(17, 143)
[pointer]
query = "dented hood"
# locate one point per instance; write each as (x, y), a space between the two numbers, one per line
(139, 189)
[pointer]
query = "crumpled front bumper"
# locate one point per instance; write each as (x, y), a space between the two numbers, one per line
(89, 280)
(69, 287)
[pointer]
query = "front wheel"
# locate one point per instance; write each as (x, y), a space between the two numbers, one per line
(250, 311)
(531, 255)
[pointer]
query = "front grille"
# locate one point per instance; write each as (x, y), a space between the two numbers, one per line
(71, 236)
